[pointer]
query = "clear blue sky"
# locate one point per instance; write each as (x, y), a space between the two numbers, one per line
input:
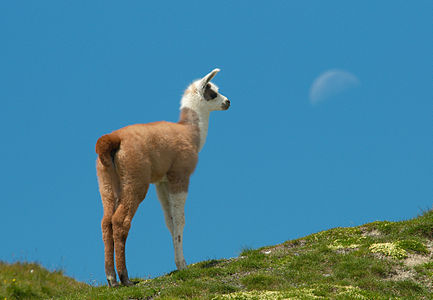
(276, 166)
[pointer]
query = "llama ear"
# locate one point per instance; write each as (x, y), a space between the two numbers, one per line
(205, 80)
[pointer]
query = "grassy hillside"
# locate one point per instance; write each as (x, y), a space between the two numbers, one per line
(380, 260)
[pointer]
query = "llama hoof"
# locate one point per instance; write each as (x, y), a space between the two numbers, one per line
(112, 283)
(124, 279)
(129, 283)
(181, 265)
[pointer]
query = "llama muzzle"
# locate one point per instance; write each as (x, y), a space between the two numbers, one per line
(226, 105)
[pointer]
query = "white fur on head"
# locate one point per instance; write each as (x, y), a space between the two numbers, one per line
(194, 98)
(202, 96)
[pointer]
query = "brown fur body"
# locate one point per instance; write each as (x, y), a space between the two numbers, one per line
(129, 160)
(152, 150)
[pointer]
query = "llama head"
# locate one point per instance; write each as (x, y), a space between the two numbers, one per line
(203, 95)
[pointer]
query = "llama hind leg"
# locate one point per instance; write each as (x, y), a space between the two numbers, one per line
(107, 236)
(121, 224)
(108, 203)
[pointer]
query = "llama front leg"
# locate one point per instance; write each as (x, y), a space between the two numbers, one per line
(164, 199)
(177, 208)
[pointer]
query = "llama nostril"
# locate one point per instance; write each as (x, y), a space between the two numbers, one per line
(225, 105)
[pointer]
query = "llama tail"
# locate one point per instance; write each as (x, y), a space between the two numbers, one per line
(106, 147)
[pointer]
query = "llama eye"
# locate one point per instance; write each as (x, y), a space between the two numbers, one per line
(210, 94)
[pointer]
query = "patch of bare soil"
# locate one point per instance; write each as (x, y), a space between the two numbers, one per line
(416, 259)
(402, 273)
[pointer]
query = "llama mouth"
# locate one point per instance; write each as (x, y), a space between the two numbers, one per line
(226, 105)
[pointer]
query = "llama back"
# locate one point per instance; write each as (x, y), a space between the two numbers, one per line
(158, 147)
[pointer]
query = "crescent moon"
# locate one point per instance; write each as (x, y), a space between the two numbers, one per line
(331, 83)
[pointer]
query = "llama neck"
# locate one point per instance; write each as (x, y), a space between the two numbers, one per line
(198, 122)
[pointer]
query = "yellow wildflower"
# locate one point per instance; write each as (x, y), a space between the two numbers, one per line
(389, 249)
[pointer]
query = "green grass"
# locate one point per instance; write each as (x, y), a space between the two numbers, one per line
(31, 281)
(379, 260)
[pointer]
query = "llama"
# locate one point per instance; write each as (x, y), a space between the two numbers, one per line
(162, 153)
